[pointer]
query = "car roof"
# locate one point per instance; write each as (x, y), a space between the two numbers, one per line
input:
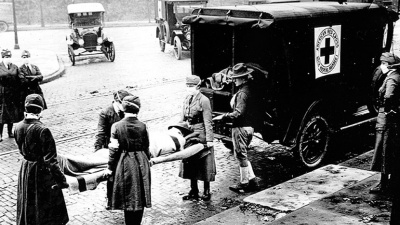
(85, 7)
(267, 14)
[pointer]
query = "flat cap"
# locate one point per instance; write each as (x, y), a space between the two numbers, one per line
(34, 100)
(193, 79)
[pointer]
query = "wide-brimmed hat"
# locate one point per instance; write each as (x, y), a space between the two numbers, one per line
(193, 80)
(183, 127)
(5, 52)
(34, 100)
(390, 58)
(26, 53)
(131, 104)
(240, 70)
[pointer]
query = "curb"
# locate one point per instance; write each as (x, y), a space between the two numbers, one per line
(57, 74)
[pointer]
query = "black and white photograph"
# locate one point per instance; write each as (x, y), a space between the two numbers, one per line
(206, 112)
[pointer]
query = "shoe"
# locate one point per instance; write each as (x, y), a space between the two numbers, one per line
(192, 195)
(254, 183)
(377, 189)
(10, 135)
(240, 188)
(206, 196)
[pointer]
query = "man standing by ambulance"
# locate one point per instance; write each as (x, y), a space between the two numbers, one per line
(243, 121)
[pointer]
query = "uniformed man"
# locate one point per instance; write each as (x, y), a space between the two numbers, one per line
(243, 122)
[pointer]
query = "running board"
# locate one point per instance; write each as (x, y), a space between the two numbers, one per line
(370, 120)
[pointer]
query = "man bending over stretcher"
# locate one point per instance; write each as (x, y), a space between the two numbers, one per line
(178, 143)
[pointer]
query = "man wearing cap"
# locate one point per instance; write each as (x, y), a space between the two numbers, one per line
(129, 163)
(10, 96)
(40, 199)
(197, 114)
(107, 117)
(243, 123)
(32, 77)
(387, 124)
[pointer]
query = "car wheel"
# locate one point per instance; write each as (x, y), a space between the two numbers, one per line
(177, 48)
(314, 141)
(111, 52)
(166, 32)
(162, 41)
(3, 26)
(71, 55)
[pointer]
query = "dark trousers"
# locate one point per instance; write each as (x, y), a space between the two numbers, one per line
(133, 217)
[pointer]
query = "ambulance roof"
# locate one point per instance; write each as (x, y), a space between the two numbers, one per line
(269, 13)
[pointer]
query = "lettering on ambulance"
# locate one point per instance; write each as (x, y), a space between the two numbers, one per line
(327, 50)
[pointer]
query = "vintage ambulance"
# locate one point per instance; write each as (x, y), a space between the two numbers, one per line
(313, 66)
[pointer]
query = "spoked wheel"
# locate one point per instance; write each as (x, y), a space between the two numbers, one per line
(177, 48)
(314, 141)
(111, 52)
(3, 26)
(71, 55)
(162, 41)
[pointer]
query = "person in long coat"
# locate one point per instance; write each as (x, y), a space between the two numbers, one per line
(129, 163)
(197, 113)
(40, 200)
(31, 78)
(10, 96)
(107, 117)
(387, 124)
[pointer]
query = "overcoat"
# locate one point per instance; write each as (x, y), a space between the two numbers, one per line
(387, 142)
(10, 95)
(197, 112)
(130, 165)
(107, 118)
(30, 85)
(37, 202)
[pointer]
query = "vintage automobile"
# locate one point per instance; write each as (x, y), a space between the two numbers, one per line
(87, 37)
(6, 16)
(313, 65)
(170, 29)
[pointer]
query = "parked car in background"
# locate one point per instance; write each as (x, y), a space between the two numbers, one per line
(313, 64)
(87, 37)
(6, 16)
(170, 29)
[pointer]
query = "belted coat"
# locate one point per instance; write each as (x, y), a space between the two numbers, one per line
(10, 94)
(37, 202)
(31, 76)
(129, 162)
(197, 112)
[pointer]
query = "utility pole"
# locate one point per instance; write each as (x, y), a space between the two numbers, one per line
(41, 13)
(16, 46)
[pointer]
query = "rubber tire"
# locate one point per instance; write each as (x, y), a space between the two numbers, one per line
(3, 26)
(161, 41)
(177, 48)
(71, 55)
(167, 33)
(316, 134)
(111, 52)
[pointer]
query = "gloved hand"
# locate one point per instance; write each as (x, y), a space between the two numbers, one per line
(107, 173)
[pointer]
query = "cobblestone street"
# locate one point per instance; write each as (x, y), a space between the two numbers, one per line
(74, 101)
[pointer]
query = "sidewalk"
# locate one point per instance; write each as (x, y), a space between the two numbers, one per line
(334, 194)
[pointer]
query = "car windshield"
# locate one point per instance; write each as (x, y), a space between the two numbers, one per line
(182, 10)
(88, 19)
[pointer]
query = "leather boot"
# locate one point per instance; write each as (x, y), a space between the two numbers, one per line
(9, 129)
(382, 186)
(207, 194)
(194, 191)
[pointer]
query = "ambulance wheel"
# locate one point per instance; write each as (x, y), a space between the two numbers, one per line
(177, 48)
(71, 55)
(314, 140)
